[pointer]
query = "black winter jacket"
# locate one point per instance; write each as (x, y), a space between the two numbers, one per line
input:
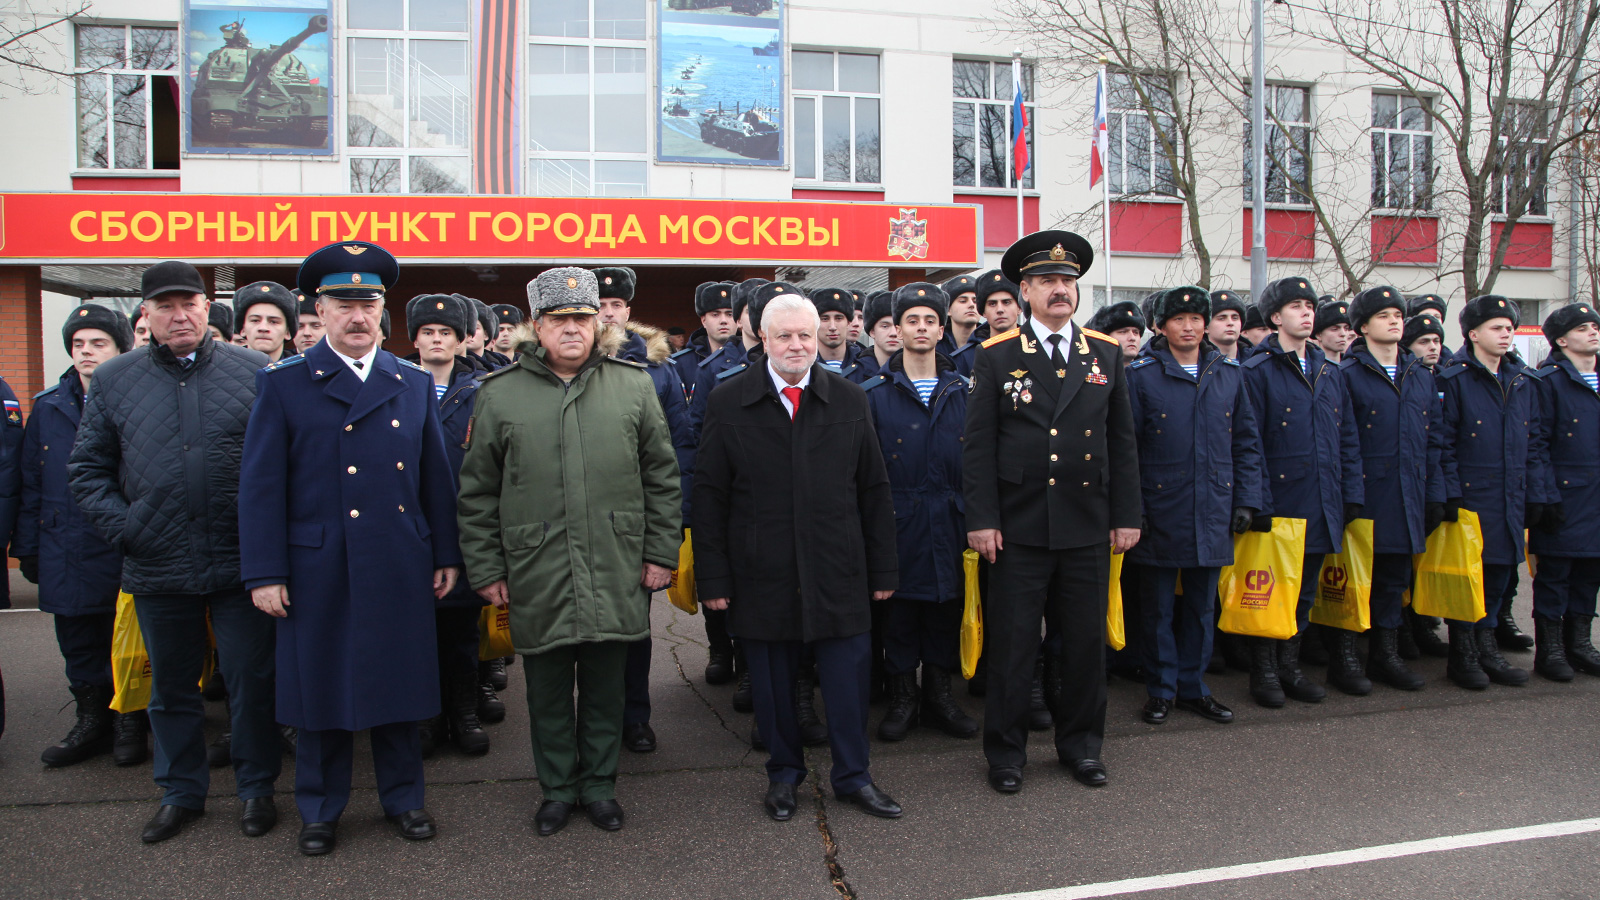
(156, 464)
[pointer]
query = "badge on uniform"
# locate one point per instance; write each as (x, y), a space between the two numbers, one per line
(1094, 376)
(13, 412)
(1019, 389)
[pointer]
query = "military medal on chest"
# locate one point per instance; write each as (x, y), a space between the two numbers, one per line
(1020, 387)
(1095, 376)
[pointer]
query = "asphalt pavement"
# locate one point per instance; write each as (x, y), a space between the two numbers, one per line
(1347, 774)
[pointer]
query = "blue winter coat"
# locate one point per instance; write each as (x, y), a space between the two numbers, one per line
(1570, 412)
(455, 420)
(1199, 457)
(648, 347)
(79, 573)
(1495, 455)
(1400, 448)
(347, 496)
(731, 356)
(1308, 438)
(922, 450)
(965, 355)
(689, 358)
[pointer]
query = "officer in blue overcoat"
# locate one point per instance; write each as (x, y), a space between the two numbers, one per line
(1313, 464)
(1567, 540)
(1495, 458)
(1395, 404)
(836, 307)
(348, 535)
(1200, 480)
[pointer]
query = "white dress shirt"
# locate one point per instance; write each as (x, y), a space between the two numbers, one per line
(365, 367)
(1043, 333)
(780, 384)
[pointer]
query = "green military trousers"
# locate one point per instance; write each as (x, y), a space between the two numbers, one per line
(576, 747)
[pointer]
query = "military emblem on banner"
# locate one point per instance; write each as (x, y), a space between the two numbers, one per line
(908, 236)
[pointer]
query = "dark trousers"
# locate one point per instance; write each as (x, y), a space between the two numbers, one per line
(1310, 572)
(323, 760)
(174, 628)
(1391, 578)
(85, 643)
(575, 751)
(844, 667)
(456, 631)
(717, 637)
(636, 683)
(1495, 579)
(1177, 628)
(1067, 588)
(1565, 586)
(921, 631)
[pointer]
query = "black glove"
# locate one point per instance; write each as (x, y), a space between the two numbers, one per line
(30, 568)
(1352, 512)
(1243, 518)
(1554, 517)
(1452, 509)
(1533, 514)
(1432, 517)
(1261, 523)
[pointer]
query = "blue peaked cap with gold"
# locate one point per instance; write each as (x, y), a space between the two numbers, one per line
(348, 270)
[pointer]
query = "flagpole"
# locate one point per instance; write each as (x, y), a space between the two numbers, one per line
(1016, 79)
(1105, 186)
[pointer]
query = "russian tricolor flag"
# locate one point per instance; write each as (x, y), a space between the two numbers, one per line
(1019, 127)
(1098, 152)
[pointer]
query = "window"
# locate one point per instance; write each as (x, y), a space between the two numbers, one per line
(588, 90)
(1097, 295)
(1288, 150)
(1520, 172)
(1402, 152)
(836, 116)
(1139, 115)
(127, 97)
(408, 110)
(981, 139)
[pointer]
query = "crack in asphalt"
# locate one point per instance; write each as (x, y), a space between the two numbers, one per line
(830, 848)
(677, 661)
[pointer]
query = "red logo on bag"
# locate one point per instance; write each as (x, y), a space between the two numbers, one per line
(1333, 579)
(502, 619)
(1257, 589)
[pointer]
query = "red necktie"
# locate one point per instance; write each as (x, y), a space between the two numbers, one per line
(793, 393)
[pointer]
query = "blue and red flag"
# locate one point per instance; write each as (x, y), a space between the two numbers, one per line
(1097, 153)
(1019, 127)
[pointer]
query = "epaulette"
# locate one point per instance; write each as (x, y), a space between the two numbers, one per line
(732, 370)
(1141, 362)
(1451, 371)
(495, 374)
(1347, 362)
(47, 391)
(679, 353)
(1258, 360)
(965, 381)
(1230, 361)
(1095, 334)
(1547, 370)
(1004, 336)
(286, 363)
(627, 362)
(407, 362)
(875, 381)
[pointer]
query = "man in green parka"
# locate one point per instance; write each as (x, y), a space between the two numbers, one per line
(570, 514)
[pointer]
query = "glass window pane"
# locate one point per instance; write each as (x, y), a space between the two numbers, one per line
(858, 72)
(1399, 170)
(1412, 115)
(805, 137)
(1033, 161)
(619, 19)
(558, 104)
(128, 112)
(1002, 82)
(964, 159)
(101, 46)
(438, 15)
(559, 178)
(619, 177)
(971, 79)
(440, 174)
(1120, 93)
(1422, 170)
(154, 48)
(375, 112)
(812, 71)
(1383, 110)
(374, 176)
(1116, 134)
(93, 140)
(835, 138)
(619, 100)
(559, 18)
(1138, 177)
(867, 140)
(992, 145)
(375, 14)
(1161, 180)
(1380, 178)
(440, 99)
(1300, 164)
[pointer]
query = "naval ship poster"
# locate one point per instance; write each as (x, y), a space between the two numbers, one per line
(257, 76)
(720, 90)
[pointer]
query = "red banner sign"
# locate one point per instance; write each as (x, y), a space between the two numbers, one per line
(81, 227)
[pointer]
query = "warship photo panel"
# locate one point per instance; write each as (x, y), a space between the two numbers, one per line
(720, 82)
(257, 77)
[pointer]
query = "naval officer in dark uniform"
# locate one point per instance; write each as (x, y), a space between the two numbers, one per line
(1051, 478)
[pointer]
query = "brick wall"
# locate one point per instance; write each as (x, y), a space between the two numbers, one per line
(21, 347)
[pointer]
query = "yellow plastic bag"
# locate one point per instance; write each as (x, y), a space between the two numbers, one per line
(971, 616)
(130, 664)
(1116, 637)
(681, 590)
(1344, 587)
(1449, 579)
(1261, 589)
(494, 633)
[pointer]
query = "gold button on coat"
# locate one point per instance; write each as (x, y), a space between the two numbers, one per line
(395, 422)
(355, 513)
(349, 428)
(351, 470)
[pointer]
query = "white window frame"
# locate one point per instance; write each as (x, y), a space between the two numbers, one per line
(817, 97)
(1418, 186)
(1503, 177)
(1291, 198)
(1117, 120)
(999, 73)
(106, 77)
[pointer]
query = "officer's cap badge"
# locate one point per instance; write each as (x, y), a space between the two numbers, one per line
(355, 277)
(1058, 253)
(572, 282)
(354, 250)
(83, 312)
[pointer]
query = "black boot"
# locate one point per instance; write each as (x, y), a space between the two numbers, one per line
(1463, 668)
(1344, 666)
(1405, 645)
(466, 730)
(431, 731)
(719, 665)
(219, 753)
(1549, 651)
(1581, 654)
(902, 714)
(1039, 718)
(129, 746)
(742, 699)
(1265, 688)
(1238, 650)
(491, 709)
(939, 709)
(1296, 686)
(1313, 646)
(1385, 664)
(1494, 665)
(1508, 635)
(493, 673)
(813, 733)
(1423, 631)
(978, 684)
(90, 736)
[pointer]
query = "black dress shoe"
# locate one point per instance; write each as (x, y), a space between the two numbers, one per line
(1207, 707)
(1089, 772)
(1006, 781)
(552, 816)
(1156, 709)
(414, 825)
(780, 801)
(606, 815)
(872, 801)
(719, 668)
(316, 838)
(639, 737)
(168, 821)
(260, 816)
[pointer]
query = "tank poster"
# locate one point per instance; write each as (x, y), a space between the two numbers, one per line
(721, 82)
(258, 77)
